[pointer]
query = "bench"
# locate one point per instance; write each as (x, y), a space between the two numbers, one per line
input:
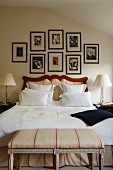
(56, 141)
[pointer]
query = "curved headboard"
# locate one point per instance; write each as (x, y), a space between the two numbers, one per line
(54, 79)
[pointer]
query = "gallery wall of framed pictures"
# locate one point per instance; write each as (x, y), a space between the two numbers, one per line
(55, 51)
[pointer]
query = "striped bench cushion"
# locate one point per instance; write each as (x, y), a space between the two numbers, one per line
(56, 138)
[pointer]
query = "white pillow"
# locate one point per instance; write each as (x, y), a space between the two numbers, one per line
(78, 88)
(29, 97)
(43, 88)
(77, 99)
(39, 87)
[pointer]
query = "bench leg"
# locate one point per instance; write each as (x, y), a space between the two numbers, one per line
(56, 159)
(91, 161)
(19, 166)
(90, 155)
(10, 162)
(101, 159)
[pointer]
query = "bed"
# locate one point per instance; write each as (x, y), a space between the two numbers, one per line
(50, 102)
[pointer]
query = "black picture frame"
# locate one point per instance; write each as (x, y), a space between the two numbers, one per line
(38, 41)
(37, 63)
(55, 61)
(19, 52)
(56, 39)
(91, 53)
(73, 42)
(73, 64)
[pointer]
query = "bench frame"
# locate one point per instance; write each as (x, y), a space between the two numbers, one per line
(55, 153)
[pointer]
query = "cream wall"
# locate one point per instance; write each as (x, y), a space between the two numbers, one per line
(15, 26)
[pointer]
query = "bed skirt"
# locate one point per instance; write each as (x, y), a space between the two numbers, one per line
(46, 160)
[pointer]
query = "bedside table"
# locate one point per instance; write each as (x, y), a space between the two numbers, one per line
(108, 107)
(4, 107)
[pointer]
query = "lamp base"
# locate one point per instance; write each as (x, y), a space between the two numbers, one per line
(102, 96)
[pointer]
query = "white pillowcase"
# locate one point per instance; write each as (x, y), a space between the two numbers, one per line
(39, 87)
(29, 97)
(43, 88)
(77, 99)
(78, 88)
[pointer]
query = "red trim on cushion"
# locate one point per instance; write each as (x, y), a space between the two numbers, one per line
(51, 77)
(77, 138)
(78, 145)
(13, 138)
(99, 139)
(35, 137)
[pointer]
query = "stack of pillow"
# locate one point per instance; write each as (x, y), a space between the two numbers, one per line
(37, 95)
(42, 95)
(75, 95)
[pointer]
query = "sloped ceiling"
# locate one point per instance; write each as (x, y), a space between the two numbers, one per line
(97, 14)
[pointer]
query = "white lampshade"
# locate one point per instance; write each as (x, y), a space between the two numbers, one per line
(6, 79)
(102, 80)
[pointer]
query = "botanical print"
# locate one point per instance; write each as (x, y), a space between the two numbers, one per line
(55, 38)
(55, 60)
(91, 53)
(73, 63)
(73, 41)
(37, 62)
(37, 40)
(19, 52)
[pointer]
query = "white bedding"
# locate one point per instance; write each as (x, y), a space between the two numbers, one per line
(30, 117)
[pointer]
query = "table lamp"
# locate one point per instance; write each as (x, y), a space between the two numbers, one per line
(102, 80)
(6, 79)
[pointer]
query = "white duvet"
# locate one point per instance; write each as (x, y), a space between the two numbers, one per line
(30, 117)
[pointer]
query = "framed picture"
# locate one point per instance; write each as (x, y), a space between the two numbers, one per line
(55, 39)
(37, 41)
(91, 53)
(73, 42)
(37, 63)
(55, 61)
(19, 52)
(73, 64)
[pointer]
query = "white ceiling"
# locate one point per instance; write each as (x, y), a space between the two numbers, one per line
(95, 13)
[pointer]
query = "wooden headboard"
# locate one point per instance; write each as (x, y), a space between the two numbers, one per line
(54, 79)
